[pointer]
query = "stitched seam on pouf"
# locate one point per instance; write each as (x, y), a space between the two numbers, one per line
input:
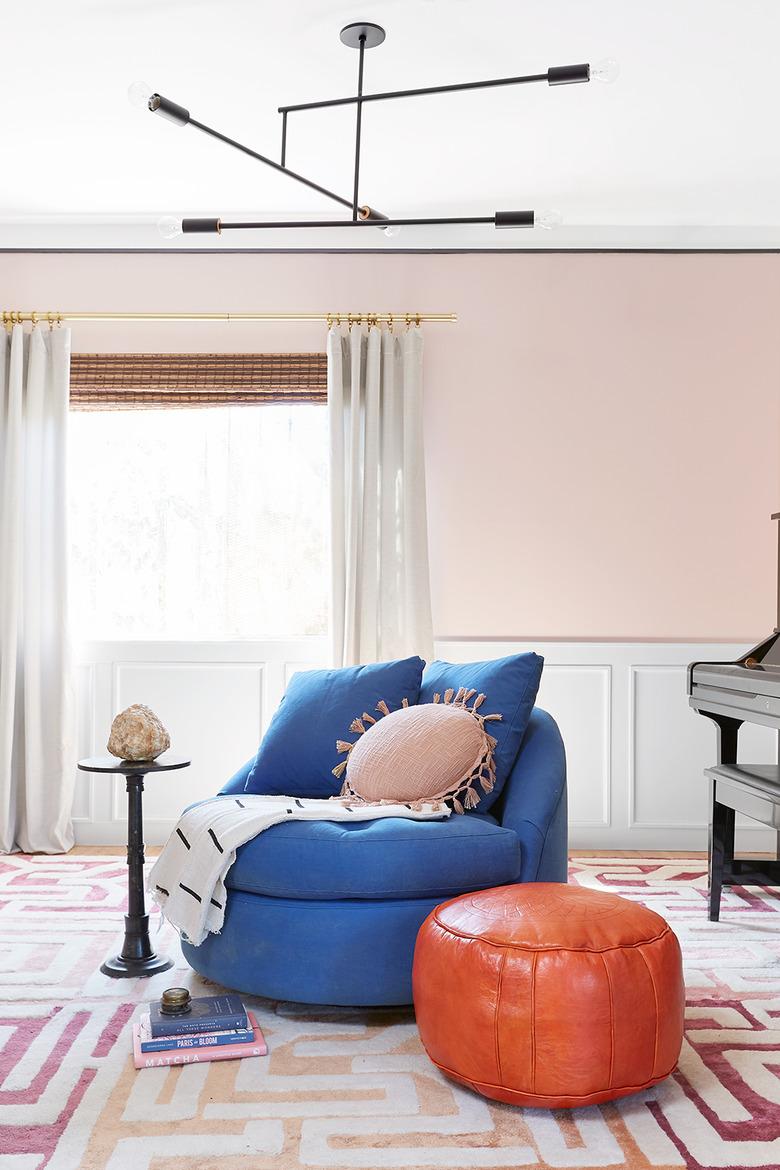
(611, 1023)
(451, 1072)
(657, 1013)
(545, 947)
(496, 1010)
(533, 1021)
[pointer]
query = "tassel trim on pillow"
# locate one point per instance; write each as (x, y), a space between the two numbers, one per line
(359, 726)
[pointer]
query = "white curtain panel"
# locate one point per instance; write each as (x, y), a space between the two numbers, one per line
(37, 756)
(381, 597)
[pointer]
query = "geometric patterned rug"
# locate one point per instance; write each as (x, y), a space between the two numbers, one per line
(348, 1089)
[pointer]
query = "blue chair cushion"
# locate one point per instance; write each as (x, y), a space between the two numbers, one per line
(510, 686)
(389, 858)
(298, 752)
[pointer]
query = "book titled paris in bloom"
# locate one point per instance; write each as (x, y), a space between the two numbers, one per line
(196, 1054)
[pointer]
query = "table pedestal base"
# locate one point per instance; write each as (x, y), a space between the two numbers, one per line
(136, 957)
(119, 968)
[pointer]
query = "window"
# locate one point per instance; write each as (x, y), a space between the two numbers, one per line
(205, 523)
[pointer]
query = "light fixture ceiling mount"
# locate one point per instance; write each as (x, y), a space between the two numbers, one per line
(371, 35)
(359, 35)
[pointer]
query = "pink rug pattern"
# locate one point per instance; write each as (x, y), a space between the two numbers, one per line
(349, 1089)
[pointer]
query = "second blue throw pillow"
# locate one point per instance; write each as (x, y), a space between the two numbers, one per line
(510, 686)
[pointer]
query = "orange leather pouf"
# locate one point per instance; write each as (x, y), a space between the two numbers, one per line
(549, 995)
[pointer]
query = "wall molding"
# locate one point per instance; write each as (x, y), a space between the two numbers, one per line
(603, 672)
(86, 734)
(634, 746)
(633, 821)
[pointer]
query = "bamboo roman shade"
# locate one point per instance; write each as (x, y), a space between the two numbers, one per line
(133, 381)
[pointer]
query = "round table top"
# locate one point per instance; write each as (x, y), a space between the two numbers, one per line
(163, 763)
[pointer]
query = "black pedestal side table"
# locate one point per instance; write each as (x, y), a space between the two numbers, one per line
(136, 957)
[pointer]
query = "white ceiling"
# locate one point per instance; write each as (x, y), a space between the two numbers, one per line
(681, 152)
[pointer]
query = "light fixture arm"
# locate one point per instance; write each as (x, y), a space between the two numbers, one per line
(181, 116)
(501, 219)
(555, 75)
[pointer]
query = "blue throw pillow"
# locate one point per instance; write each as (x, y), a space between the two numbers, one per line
(298, 752)
(510, 686)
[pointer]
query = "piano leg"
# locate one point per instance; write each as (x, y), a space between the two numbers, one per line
(721, 852)
(721, 840)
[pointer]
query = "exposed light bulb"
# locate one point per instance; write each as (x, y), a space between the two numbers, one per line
(605, 71)
(138, 94)
(169, 226)
(393, 230)
(548, 219)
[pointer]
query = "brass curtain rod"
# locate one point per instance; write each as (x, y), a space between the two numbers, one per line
(14, 317)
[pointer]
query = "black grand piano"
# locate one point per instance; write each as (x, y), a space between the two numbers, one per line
(730, 694)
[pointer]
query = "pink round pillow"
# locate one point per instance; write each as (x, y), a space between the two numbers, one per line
(428, 753)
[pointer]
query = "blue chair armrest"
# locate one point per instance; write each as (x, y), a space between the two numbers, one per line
(533, 802)
(236, 783)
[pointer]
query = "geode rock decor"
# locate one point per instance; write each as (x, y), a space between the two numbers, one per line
(138, 734)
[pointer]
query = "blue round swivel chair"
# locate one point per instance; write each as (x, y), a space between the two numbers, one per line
(324, 912)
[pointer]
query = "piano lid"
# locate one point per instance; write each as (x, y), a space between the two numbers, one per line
(732, 676)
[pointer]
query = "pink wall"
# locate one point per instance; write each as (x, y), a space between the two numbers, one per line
(603, 431)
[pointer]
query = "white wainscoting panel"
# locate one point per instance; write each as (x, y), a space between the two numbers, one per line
(580, 696)
(668, 746)
(83, 804)
(635, 750)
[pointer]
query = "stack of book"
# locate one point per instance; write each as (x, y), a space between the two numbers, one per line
(217, 1027)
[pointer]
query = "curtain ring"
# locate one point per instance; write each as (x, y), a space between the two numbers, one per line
(390, 322)
(34, 319)
(417, 320)
(329, 319)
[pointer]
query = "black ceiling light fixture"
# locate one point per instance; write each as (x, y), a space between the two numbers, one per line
(361, 36)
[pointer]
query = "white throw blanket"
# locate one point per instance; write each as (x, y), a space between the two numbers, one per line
(188, 879)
